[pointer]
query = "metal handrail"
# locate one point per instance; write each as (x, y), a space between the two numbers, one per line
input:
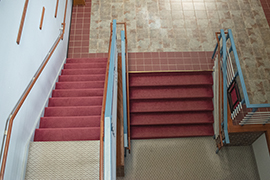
(223, 52)
(240, 74)
(10, 119)
(110, 111)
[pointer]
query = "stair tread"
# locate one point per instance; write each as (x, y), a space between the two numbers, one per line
(59, 159)
(78, 92)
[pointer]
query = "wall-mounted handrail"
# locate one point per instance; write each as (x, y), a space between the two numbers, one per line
(10, 119)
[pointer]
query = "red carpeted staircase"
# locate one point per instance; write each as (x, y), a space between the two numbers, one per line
(171, 104)
(74, 111)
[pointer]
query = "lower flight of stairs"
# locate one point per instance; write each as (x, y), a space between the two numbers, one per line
(67, 141)
(171, 104)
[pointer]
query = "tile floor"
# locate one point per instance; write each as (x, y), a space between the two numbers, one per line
(179, 26)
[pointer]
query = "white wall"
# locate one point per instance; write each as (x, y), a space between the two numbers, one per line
(18, 64)
(262, 157)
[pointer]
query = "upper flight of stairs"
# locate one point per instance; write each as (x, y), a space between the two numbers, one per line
(74, 111)
(171, 104)
(66, 145)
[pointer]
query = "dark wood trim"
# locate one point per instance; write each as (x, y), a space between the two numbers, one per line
(120, 149)
(220, 97)
(22, 22)
(267, 135)
(42, 17)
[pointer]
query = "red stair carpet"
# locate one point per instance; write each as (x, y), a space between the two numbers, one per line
(171, 104)
(74, 111)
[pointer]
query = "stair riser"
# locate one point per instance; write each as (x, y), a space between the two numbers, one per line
(67, 78)
(75, 111)
(170, 80)
(77, 93)
(69, 122)
(83, 71)
(170, 106)
(67, 134)
(153, 132)
(86, 85)
(103, 60)
(83, 66)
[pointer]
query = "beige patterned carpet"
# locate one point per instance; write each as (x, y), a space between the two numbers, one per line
(188, 159)
(63, 160)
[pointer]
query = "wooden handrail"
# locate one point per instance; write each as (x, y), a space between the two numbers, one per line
(56, 8)
(20, 103)
(220, 98)
(22, 22)
(101, 149)
(42, 17)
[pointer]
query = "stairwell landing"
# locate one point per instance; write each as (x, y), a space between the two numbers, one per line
(66, 145)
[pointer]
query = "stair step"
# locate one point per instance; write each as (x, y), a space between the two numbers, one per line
(160, 105)
(75, 101)
(68, 78)
(79, 85)
(84, 65)
(67, 134)
(84, 71)
(72, 111)
(171, 118)
(173, 92)
(171, 131)
(170, 79)
(87, 60)
(63, 160)
(69, 122)
(77, 92)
